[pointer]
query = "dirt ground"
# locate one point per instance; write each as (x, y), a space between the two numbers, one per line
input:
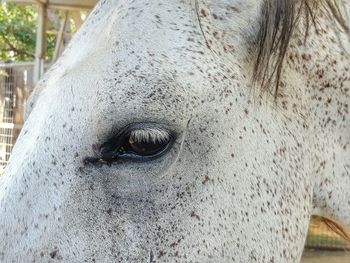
(314, 256)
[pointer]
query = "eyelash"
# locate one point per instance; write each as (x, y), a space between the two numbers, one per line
(154, 135)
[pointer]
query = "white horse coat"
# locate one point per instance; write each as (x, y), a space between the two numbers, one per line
(234, 176)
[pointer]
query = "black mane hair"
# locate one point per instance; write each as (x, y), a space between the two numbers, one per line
(279, 19)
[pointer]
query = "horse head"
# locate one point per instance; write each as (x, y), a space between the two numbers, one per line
(184, 131)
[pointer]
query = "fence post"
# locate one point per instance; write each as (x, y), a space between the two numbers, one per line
(40, 50)
(60, 36)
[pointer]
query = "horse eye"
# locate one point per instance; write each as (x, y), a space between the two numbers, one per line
(141, 144)
(144, 148)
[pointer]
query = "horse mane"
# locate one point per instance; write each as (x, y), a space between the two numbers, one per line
(279, 19)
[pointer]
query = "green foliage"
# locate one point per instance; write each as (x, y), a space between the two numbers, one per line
(18, 33)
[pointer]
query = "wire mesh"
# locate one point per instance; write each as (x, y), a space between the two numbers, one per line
(15, 86)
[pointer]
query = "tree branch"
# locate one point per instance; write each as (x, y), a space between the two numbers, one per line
(14, 49)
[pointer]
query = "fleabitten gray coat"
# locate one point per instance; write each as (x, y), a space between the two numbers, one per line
(150, 140)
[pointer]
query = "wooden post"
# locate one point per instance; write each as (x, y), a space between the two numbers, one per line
(60, 36)
(40, 50)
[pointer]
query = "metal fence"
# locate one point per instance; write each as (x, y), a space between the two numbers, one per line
(15, 86)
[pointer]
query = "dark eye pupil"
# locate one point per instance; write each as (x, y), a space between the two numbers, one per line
(145, 148)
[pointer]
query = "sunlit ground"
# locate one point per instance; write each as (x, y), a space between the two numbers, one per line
(321, 256)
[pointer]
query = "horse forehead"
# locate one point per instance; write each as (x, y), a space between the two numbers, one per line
(133, 40)
(152, 51)
(155, 27)
(130, 22)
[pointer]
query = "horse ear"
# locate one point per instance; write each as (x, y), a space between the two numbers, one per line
(331, 196)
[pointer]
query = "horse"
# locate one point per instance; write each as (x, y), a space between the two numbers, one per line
(185, 131)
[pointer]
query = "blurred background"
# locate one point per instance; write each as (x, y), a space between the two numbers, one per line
(33, 35)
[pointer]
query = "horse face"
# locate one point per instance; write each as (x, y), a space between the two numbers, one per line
(143, 146)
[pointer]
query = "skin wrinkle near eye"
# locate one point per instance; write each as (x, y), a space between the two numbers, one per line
(150, 135)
